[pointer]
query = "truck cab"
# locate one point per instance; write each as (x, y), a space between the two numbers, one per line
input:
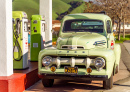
(86, 49)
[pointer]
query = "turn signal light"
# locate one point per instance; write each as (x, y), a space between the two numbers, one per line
(53, 68)
(112, 45)
(89, 70)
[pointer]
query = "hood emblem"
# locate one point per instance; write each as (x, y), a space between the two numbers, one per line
(99, 43)
(87, 42)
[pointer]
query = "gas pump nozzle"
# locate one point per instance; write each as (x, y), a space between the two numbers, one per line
(18, 27)
(17, 44)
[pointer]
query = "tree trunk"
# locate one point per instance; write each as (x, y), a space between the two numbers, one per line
(119, 30)
(113, 21)
(124, 28)
(117, 27)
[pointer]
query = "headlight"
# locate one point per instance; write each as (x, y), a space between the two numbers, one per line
(46, 61)
(99, 63)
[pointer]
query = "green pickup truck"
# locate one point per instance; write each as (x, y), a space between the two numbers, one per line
(86, 49)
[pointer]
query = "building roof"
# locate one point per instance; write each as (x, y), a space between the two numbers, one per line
(55, 21)
(56, 29)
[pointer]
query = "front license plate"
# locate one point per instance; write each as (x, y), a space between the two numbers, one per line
(71, 70)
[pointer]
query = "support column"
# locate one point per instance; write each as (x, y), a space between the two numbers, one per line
(46, 10)
(6, 38)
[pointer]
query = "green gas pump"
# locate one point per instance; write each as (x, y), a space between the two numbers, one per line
(37, 36)
(20, 40)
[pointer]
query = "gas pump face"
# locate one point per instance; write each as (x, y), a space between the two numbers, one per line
(25, 42)
(20, 40)
(25, 26)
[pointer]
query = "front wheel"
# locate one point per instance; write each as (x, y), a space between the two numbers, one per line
(108, 84)
(47, 82)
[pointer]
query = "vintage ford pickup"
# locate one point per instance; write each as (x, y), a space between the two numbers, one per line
(86, 49)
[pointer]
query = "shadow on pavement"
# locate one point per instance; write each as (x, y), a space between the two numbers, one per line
(70, 85)
(122, 85)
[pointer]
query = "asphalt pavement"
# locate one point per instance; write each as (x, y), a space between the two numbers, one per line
(123, 85)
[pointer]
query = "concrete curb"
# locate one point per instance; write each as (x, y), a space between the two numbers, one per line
(122, 81)
(125, 57)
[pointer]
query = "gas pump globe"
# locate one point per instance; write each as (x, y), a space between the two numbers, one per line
(20, 40)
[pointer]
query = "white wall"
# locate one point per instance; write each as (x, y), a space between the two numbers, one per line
(127, 26)
(46, 10)
(6, 39)
(56, 25)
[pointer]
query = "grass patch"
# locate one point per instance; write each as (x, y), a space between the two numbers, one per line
(79, 9)
(127, 37)
(31, 7)
(54, 39)
(54, 15)
(60, 6)
(68, 1)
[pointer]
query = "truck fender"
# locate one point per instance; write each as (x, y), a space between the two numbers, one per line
(117, 51)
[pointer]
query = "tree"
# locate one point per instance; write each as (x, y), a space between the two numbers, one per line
(116, 9)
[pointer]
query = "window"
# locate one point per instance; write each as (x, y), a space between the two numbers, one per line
(108, 26)
(80, 25)
(25, 27)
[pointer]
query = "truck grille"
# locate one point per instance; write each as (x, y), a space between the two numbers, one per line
(82, 62)
(72, 47)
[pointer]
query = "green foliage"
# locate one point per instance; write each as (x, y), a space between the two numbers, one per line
(127, 37)
(59, 6)
(37, 1)
(68, 1)
(54, 39)
(54, 15)
(79, 9)
(29, 6)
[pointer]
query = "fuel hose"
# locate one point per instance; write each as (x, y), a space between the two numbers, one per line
(17, 44)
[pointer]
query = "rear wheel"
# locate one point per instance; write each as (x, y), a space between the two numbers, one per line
(47, 82)
(108, 84)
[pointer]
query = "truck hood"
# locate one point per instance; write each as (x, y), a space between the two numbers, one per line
(82, 41)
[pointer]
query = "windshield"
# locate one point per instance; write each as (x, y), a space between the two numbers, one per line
(83, 26)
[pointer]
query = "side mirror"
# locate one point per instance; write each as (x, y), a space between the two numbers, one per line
(114, 31)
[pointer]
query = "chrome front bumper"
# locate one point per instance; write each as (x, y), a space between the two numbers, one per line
(58, 61)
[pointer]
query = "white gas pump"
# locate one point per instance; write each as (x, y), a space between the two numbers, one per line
(25, 42)
(43, 34)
